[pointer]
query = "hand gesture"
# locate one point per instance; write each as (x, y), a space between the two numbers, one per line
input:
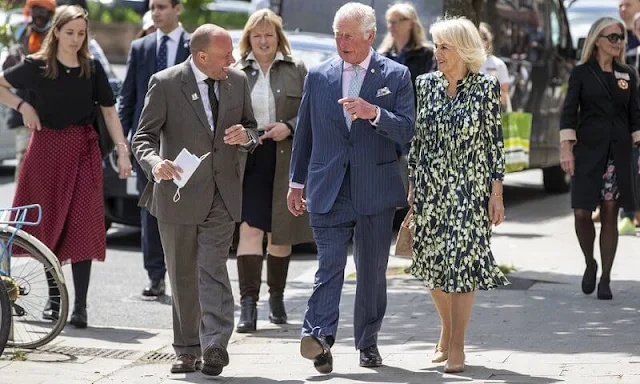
(30, 117)
(496, 209)
(276, 132)
(124, 165)
(166, 170)
(236, 135)
(358, 108)
(296, 204)
(567, 160)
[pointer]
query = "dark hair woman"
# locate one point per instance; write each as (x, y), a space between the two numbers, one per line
(62, 168)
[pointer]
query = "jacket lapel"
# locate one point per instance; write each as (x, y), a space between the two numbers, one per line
(189, 89)
(334, 78)
(183, 48)
(224, 89)
(373, 79)
(150, 47)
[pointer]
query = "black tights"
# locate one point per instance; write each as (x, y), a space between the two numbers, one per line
(608, 235)
(81, 274)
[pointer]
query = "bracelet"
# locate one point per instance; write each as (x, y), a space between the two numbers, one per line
(19, 105)
(496, 194)
(126, 147)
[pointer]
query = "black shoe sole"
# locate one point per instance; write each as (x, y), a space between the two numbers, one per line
(370, 364)
(277, 320)
(215, 358)
(246, 328)
(198, 366)
(311, 349)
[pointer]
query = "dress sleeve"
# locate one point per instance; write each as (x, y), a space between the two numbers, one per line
(418, 137)
(569, 117)
(104, 94)
(26, 75)
(493, 123)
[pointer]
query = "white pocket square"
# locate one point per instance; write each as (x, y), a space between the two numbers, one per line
(383, 92)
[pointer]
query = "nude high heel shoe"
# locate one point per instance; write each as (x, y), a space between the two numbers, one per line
(454, 368)
(440, 355)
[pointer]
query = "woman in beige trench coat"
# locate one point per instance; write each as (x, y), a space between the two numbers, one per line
(276, 80)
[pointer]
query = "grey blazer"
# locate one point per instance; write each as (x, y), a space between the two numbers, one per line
(171, 120)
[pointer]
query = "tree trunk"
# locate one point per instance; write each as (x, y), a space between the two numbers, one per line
(467, 8)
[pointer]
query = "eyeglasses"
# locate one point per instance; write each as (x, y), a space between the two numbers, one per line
(614, 37)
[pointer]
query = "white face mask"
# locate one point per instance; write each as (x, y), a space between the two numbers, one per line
(188, 162)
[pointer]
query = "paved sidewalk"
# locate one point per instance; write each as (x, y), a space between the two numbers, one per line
(541, 329)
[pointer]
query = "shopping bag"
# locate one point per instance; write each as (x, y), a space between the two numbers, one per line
(516, 131)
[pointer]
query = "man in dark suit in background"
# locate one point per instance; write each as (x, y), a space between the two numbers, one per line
(168, 46)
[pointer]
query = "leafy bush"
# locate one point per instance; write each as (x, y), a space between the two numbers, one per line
(107, 15)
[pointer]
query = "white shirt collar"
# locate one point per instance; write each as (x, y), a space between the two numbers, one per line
(200, 77)
(173, 35)
(254, 62)
(364, 65)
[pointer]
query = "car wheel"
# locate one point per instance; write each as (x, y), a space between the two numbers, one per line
(555, 180)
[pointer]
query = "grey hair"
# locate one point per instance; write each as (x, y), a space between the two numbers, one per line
(363, 13)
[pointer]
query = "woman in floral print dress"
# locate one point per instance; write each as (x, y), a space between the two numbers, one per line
(457, 166)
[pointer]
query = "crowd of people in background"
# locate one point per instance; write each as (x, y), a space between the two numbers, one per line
(297, 155)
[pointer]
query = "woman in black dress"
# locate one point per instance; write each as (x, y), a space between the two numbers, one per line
(600, 122)
(62, 169)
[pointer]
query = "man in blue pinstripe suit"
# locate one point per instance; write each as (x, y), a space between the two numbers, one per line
(354, 110)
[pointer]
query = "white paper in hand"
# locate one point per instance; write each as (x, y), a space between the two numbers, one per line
(188, 162)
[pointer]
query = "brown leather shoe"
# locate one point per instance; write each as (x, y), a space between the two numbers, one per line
(186, 363)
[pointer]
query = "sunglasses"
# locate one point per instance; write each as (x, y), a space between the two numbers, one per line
(614, 37)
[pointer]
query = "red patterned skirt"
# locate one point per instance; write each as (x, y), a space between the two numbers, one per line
(62, 171)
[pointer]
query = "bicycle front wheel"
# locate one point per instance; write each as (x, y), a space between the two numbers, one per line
(5, 316)
(40, 310)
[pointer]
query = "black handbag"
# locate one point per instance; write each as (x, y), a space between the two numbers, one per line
(104, 139)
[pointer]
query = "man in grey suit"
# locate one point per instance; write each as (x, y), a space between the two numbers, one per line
(354, 110)
(204, 106)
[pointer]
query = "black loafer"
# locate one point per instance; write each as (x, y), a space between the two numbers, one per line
(318, 349)
(215, 358)
(155, 288)
(370, 357)
(79, 318)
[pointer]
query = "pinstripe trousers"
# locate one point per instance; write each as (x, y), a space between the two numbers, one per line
(372, 238)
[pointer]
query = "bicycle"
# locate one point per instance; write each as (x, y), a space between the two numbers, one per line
(32, 280)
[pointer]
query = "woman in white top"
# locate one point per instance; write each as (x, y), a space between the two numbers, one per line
(276, 81)
(495, 67)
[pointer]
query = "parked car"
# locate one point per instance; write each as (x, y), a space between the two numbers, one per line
(121, 196)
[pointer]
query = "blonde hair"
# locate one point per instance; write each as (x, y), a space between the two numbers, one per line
(485, 29)
(417, 40)
(47, 53)
(463, 37)
(261, 18)
(589, 50)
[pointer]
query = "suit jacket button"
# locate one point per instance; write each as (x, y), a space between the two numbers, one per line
(215, 149)
(215, 172)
